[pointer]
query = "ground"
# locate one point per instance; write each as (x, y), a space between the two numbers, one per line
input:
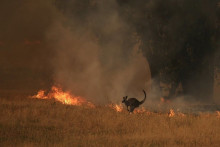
(33, 122)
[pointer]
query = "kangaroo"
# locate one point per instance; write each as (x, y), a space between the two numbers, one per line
(133, 102)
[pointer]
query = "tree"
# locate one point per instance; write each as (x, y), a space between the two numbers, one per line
(179, 39)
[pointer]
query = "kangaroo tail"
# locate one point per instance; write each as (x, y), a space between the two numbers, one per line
(141, 102)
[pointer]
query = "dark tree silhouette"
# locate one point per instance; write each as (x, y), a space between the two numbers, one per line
(179, 39)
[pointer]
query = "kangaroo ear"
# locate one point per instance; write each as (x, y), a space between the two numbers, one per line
(126, 97)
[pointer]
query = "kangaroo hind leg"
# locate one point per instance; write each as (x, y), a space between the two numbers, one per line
(127, 108)
(132, 109)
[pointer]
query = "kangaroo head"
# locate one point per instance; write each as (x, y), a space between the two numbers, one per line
(124, 99)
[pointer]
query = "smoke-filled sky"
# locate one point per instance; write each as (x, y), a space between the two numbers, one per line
(84, 49)
(96, 49)
(24, 52)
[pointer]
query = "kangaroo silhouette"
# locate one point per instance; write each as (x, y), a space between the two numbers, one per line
(133, 102)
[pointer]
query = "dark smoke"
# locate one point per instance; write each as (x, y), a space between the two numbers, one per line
(94, 48)
(84, 46)
(180, 39)
(24, 64)
(96, 52)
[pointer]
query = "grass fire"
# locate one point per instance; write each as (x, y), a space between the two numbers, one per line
(110, 73)
(63, 97)
(50, 122)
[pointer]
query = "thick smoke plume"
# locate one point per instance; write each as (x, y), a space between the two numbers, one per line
(83, 46)
(94, 48)
(94, 57)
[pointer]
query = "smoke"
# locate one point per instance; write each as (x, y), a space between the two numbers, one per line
(101, 49)
(92, 56)
(24, 64)
(83, 46)
(179, 39)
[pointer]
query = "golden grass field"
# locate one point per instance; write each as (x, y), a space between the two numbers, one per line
(34, 122)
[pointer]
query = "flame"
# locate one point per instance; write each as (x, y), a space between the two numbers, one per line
(64, 97)
(116, 107)
(218, 114)
(67, 98)
(140, 110)
(162, 100)
(40, 95)
(171, 113)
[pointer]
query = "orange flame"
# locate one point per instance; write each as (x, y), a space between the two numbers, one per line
(116, 107)
(140, 110)
(40, 95)
(218, 114)
(63, 97)
(171, 113)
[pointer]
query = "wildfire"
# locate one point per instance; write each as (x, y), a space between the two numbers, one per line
(40, 95)
(140, 110)
(67, 98)
(116, 107)
(171, 113)
(218, 113)
(64, 97)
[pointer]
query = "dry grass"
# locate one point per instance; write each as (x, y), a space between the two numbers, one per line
(30, 122)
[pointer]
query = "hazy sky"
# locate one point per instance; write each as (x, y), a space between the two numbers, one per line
(41, 45)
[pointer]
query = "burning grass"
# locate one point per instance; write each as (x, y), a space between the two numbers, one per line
(37, 122)
(64, 97)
